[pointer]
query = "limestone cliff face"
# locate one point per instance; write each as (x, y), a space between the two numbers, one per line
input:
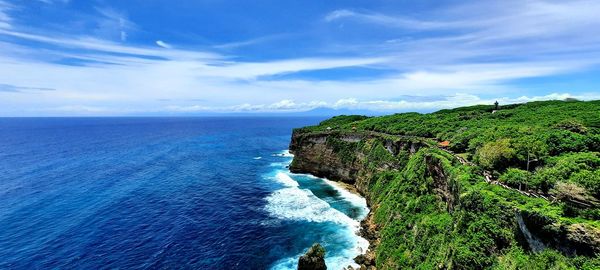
(313, 155)
(317, 154)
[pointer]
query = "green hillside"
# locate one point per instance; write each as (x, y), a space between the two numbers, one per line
(546, 154)
(534, 146)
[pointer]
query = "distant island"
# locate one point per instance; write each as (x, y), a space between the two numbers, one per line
(483, 187)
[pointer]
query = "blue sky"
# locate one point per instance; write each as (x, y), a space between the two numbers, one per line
(151, 57)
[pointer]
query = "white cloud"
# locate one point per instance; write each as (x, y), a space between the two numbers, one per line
(5, 19)
(249, 70)
(163, 44)
(458, 100)
(483, 31)
(385, 106)
(338, 14)
(55, 1)
(81, 109)
(113, 23)
(346, 103)
(388, 21)
(249, 42)
(481, 58)
(497, 20)
(104, 46)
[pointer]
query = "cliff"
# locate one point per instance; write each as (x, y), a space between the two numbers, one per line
(431, 211)
(338, 156)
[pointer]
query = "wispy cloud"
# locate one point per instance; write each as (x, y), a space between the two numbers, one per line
(163, 44)
(15, 88)
(105, 46)
(55, 1)
(448, 102)
(248, 71)
(113, 23)
(249, 42)
(388, 21)
(5, 19)
(422, 104)
(477, 52)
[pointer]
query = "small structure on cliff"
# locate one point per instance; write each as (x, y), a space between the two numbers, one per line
(444, 144)
(496, 107)
(314, 259)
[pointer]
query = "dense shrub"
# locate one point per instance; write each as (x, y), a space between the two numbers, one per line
(495, 154)
(588, 179)
(548, 146)
(516, 178)
(572, 125)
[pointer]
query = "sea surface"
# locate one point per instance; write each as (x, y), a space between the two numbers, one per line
(156, 193)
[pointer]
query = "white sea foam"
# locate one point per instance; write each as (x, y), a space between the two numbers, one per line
(294, 203)
(279, 164)
(336, 262)
(301, 204)
(353, 198)
(284, 153)
(286, 180)
(257, 157)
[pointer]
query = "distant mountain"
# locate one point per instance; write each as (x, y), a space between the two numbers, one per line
(325, 112)
(333, 112)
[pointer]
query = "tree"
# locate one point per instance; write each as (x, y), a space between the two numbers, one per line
(515, 177)
(531, 149)
(572, 125)
(588, 179)
(496, 154)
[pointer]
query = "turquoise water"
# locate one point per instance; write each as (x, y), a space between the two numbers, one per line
(150, 193)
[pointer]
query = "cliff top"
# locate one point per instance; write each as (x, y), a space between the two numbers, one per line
(546, 147)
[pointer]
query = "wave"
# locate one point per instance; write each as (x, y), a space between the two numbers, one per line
(256, 157)
(296, 204)
(284, 153)
(353, 198)
(279, 164)
(291, 202)
(302, 205)
(286, 180)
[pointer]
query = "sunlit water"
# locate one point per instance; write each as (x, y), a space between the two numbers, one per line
(209, 193)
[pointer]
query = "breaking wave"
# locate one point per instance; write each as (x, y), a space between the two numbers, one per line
(293, 203)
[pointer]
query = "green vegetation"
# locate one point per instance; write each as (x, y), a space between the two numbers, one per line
(550, 141)
(316, 250)
(463, 222)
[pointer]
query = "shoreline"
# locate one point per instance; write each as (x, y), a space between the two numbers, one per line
(367, 228)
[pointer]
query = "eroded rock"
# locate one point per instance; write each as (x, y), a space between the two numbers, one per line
(314, 259)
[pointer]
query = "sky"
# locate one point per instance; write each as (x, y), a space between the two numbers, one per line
(164, 57)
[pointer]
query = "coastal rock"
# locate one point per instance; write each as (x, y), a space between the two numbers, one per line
(314, 259)
(367, 261)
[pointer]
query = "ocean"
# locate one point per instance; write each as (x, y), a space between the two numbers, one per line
(156, 193)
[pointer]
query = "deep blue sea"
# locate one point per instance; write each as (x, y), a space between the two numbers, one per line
(155, 193)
